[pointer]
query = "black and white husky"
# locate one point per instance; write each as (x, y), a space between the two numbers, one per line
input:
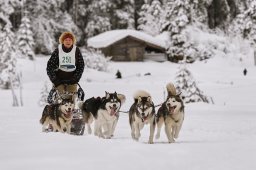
(105, 112)
(142, 112)
(58, 116)
(89, 110)
(171, 113)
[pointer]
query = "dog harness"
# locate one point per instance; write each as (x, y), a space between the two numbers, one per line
(67, 61)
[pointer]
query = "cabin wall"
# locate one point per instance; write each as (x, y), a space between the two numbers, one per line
(127, 49)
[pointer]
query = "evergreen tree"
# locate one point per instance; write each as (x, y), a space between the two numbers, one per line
(6, 9)
(9, 77)
(50, 22)
(179, 14)
(44, 95)
(99, 20)
(137, 7)
(219, 14)
(8, 71)
(25, 38)
(80, 12)
(177, 18)
(245, 23)
(95, 59)
(122, 14)
(186, 85)
(151, 17)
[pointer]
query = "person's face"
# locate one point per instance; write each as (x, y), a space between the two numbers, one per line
(68, 42)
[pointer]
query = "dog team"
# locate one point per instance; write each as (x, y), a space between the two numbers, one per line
(104, 112)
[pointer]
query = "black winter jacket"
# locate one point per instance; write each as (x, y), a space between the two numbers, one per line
(58, 76)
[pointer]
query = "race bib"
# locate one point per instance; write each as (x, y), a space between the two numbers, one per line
(67, 60)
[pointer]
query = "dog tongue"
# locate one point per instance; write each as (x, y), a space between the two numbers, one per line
(68, 114)
(113, 111)
(171, 109)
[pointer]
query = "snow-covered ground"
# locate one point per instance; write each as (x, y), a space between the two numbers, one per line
(218, 136)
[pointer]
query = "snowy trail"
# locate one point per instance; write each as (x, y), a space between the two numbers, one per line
(218, 136)
(223, 137)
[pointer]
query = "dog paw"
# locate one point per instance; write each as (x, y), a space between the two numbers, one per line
(133, 136)
(171, 141)
(176, 136)
(64, 129)
(150, 142)
(136, 138)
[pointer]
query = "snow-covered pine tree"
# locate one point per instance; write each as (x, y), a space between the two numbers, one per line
(178, 15)
(25, 38)
(151, 18)
(99, 19)
(79, 12)
(186, 85)
(8, 71)
(245, 23)
(50, 22)
(95, 60)
(177, 18)
(5, 10)
(44, 95)
(9, 77)
(123, 14)
(142, 20)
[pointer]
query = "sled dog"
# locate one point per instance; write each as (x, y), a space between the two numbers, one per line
(59, 116)
(142, 112)
(89, 110)
(171, 113)
(105, 112)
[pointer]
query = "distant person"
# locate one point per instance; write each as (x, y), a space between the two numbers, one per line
(66, 65)
(245, 72)
(118, 74)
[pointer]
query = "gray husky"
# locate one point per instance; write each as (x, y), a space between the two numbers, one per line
(59, 116)
(171, 113)
(142, 112)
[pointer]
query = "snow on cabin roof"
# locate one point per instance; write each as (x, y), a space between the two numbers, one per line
(107, 38)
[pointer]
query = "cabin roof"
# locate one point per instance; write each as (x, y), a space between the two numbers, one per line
(108, 38)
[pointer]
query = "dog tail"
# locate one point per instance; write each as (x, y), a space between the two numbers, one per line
(141, 94)
(42, 120)
(122, 98)
(171, 90)
(80, 104)
(44, 115)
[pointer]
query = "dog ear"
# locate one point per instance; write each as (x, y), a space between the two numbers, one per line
(107, 95)
(139, 99)
(59, 100)
(178, 94)
(115, 93)
(149, 99)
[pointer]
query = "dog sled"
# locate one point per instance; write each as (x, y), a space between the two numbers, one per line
(77, 123)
